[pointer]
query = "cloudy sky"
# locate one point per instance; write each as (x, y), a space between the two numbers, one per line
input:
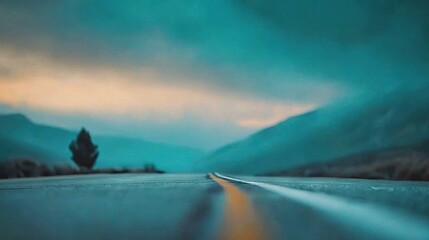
(202, 73)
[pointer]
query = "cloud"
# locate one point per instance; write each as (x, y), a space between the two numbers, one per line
(45, 85)
(5, 72)
(275, 49)
(187, 52)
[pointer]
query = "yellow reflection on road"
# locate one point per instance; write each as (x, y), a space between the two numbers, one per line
(240, 218)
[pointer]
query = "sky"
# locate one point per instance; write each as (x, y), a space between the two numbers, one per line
(202, 73)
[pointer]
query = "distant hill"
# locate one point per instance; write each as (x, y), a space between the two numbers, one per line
(21, 138)
(397, 163)
(346, 128)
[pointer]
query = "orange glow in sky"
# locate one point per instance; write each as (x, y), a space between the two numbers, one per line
(44, 85)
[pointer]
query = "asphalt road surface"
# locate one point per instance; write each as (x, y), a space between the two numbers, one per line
(211, 206)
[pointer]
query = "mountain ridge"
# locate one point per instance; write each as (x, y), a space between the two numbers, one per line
(341, 129)
(20, 137)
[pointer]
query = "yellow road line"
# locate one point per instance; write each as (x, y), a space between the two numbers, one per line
(240, 218)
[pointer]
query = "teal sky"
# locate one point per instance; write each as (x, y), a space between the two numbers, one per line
(202, 73)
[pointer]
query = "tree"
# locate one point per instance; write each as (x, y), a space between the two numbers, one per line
(84, 151)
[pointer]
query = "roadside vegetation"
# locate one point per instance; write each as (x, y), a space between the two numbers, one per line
(390, 164)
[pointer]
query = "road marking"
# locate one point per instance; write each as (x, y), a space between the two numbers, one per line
(367, 219)
(240, 218)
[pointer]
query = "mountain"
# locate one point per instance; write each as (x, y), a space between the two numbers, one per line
(345, 128)
(21, 138)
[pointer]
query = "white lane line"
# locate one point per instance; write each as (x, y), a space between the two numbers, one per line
(370, 220)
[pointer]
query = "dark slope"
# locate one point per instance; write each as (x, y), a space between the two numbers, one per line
(397, 163)
(348, 127)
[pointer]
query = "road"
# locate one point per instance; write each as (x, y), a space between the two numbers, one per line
(211, 206)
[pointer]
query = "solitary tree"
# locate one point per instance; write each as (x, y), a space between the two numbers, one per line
(84, 151)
